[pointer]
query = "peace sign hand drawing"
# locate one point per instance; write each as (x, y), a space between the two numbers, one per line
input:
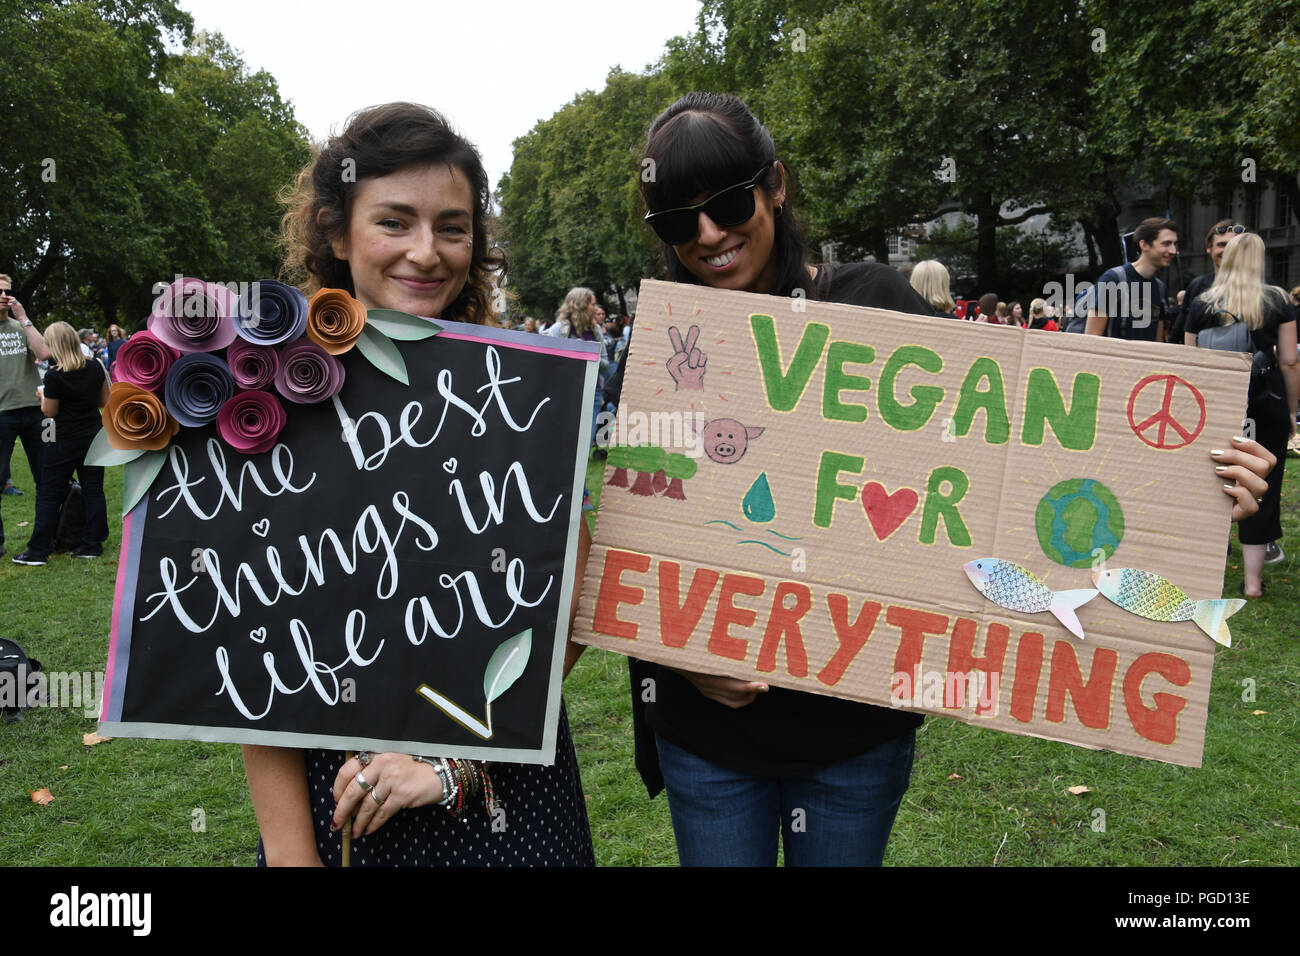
(687, 363)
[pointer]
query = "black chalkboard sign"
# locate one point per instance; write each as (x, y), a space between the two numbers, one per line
(395, 574)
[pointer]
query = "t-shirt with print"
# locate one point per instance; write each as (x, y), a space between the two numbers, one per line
(1134, 306)
(19, 377)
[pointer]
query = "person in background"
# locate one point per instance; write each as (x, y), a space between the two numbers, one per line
(1018, 315)
(1038, 317)
(1128, 301)
(21, 348)
(71, 396)
(115, 341)
(1240, 295)
(930, 280)
(1216, 240)
(988, 309)
(530, 324)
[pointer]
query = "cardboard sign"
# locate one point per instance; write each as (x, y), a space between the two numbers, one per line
(395, 574)
(807, 493)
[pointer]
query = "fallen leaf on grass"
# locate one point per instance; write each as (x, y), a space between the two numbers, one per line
(92, 738)
(1258, 713)
(955, 776)
(42, 796)
(64, 767)
(23, 524)
(1079, 789)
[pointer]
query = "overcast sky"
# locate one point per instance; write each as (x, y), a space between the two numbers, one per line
(494, 68)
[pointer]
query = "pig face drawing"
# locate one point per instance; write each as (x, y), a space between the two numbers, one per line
(725, 440)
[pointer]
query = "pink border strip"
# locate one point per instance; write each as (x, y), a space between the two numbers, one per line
(117, 610)
(563, 353)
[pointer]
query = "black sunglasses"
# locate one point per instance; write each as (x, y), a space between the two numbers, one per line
(727, 207)
(1224, 230)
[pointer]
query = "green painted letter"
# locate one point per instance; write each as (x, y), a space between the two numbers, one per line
(938, 504)
(829, 487)
(909, 418)
(1076, 428)
(785, 388)
(997, 426)
(837, 380)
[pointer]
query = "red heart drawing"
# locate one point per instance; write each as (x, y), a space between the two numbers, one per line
(887, 512)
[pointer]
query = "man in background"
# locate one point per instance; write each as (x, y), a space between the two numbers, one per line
(21, 347)
(1129, 301)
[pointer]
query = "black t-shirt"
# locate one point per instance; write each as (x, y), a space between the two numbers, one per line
(785, 731)
(1134, 306)
(1277, 311)
(78, 395)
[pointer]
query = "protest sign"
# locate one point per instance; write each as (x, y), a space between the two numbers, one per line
(919, 513)
(394, 574)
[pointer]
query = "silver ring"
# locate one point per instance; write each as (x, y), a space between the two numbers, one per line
(364, 784)
(365, 756)
(374, 795)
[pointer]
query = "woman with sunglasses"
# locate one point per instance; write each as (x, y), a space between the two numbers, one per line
(738, 758)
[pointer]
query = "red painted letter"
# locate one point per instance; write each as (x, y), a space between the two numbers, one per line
(914, 625)
(785, 621)
(1029, 667)
(852, 637)
(1158, 724)
(677, 624)
(614, 592)
(720, 642)
(1091, 698)
(962, 659)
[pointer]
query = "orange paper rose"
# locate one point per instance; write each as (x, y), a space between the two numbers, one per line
(335, 320)
(135, 418)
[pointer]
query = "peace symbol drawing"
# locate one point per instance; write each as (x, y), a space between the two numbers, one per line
(1170, 426)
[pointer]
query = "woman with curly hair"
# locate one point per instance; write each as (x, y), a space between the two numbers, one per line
(405, 231)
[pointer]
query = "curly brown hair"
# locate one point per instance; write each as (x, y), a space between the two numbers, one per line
(376, 142)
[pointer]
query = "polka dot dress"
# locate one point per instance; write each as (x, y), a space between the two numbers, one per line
(543, 823)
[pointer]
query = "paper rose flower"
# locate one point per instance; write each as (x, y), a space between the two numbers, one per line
(135, 418)
(253, 366)
(250, 422)
(144, 360)
(194, 316)
(308, 374)
(335, 320)
(271, 313)
(197, 386)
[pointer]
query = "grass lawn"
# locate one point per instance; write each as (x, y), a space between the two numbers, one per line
(145, 802)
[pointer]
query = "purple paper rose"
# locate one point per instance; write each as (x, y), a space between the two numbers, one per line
(197, 386)
(253, 366)
(271, 313)
(144, 360)
(251, 421)
(308, 374)
(195, 316)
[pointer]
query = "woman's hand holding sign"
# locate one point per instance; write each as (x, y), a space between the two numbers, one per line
(1248, 464)
(392, 782)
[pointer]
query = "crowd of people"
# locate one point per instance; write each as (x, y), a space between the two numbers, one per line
(734, 756)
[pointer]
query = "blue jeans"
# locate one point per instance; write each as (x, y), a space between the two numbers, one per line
(839, 815)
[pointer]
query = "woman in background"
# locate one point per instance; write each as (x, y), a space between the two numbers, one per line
(1240, 295)
(71, 396)
(930, 280)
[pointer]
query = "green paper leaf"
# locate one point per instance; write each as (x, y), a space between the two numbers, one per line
(103, 455)
(506, 664)
(382, 354)
(139, 476)
(401, 325)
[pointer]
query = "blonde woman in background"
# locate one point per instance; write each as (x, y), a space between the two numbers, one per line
(1038, 317)
(930, 279)
(1240, 295)
(73, 393)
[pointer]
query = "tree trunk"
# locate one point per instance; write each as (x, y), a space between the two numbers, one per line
(642, 485)
(36, 278)
(619, 478)
(675, 490)
(622, 302)
(660, 482)
(986, 244)
(879, 245)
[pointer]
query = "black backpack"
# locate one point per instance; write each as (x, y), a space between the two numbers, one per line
(1236, 337)
(17, 675)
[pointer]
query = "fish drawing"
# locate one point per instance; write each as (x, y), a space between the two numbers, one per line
(1015, 588)
(1159, 599)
